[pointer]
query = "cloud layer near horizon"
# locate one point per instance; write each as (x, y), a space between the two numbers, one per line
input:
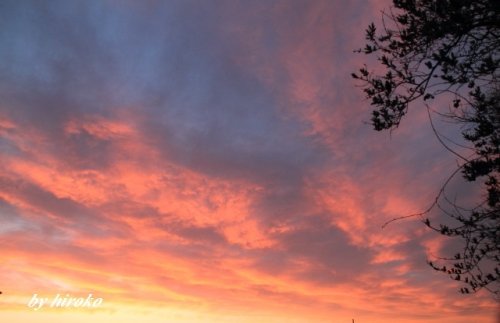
(211, 158)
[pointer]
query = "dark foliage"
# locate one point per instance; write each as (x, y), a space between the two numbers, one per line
(448, 48)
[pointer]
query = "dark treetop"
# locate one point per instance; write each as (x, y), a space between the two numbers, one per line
(448, 48)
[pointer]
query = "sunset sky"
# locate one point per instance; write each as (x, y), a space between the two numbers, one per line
(212, 161)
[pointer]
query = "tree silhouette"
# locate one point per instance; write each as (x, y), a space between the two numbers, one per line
(450, 49)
